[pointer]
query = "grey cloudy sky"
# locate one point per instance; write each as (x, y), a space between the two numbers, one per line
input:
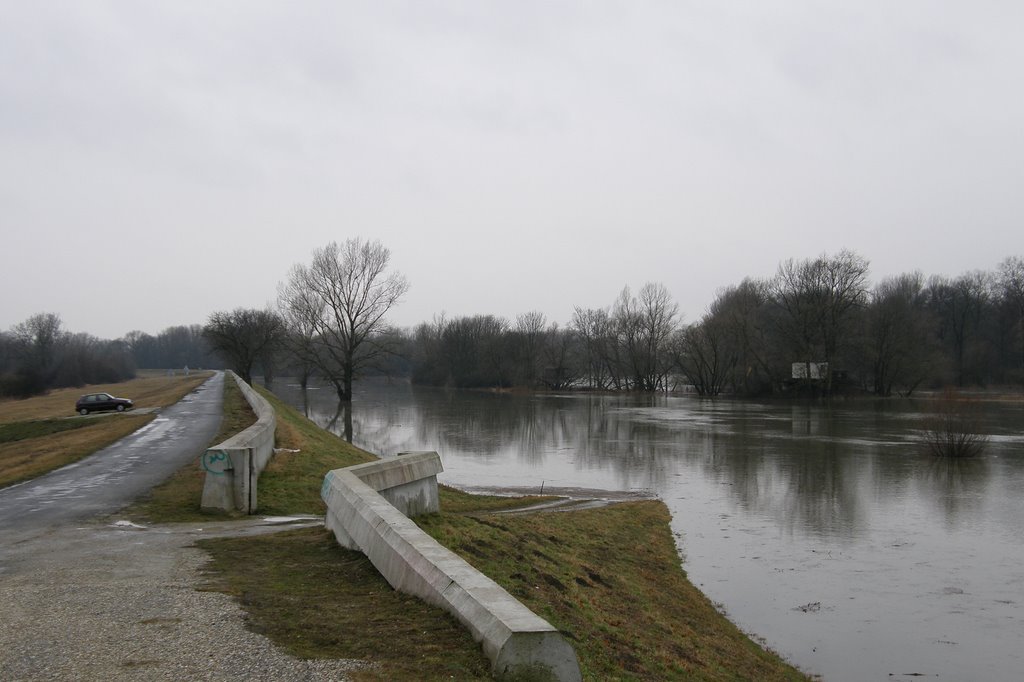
(162, 160)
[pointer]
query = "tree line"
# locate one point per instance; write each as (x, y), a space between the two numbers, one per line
(39, 354)
(818, 325)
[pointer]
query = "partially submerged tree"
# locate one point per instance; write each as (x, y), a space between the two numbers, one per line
(593, 329)
(343, 295)
(474, 351)
(527, 342)
(743, 311)
(643, 326)
(817, 299)
(706, 355)
(899, 337)
(243, 337)
(1011, 285)
(299, 309)
(960, 305)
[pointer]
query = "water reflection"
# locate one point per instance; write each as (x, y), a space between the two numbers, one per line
(780, 504)
(957, 488)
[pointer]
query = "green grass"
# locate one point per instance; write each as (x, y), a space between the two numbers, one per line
(610, 580)
(291, 482)
(11, 433)
(455, 501)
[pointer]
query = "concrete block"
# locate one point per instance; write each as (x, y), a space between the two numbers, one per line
(248, 453)
(516, 640)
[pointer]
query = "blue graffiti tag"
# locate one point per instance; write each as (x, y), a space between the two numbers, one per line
(326, 485)
(216, 462)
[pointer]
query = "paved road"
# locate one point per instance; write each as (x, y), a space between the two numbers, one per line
(83, 598)
(113, 477)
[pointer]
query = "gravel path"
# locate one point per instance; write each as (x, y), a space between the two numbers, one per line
(120, 602)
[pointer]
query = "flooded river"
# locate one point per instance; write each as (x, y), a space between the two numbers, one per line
(822, 530)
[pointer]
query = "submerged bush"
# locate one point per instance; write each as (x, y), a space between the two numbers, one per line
(952, 430)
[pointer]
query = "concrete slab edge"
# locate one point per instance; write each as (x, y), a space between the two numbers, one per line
(233, 467)
(517, 641)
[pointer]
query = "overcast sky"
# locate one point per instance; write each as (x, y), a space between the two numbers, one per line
(163, 160)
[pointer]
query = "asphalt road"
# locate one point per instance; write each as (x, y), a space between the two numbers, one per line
(111, 478)
(84, 597)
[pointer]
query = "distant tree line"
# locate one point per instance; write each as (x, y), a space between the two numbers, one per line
(173, 348)
(624, 347)
(820, 314)
(38, 354)
(818, 325)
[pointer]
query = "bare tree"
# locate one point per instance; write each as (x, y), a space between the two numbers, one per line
(37, 342)
(818, 298)
(475, 351)
(643, 325)
(593, 327)
(428, 361)
(1011, 283)
(344, 294)
(528, 340)
(706, 354)
(899, 335)
(744, 313)
(243, 336)
(299, 310)
(960, 305)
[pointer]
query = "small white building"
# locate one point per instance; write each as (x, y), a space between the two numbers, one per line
(810, 370)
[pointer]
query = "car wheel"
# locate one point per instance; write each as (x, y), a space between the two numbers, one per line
(120, 408)
(83, 412)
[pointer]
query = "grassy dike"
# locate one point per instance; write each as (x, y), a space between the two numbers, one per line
(610, 579)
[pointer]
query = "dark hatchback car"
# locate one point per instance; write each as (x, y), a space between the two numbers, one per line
(96, 402)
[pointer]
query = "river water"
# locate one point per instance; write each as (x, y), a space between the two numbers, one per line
(821, 530)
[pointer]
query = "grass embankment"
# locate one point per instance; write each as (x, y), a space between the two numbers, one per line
(37, 435)
(609, 578)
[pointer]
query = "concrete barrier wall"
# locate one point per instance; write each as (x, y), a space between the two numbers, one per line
(516, 640)
(233, 467)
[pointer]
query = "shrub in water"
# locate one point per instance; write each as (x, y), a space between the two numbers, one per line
(952, 430)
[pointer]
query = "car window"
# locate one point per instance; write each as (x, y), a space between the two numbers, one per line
(90, 398)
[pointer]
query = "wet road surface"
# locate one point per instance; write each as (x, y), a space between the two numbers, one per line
(111, 478)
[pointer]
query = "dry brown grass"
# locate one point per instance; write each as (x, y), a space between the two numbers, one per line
(152, 388)
(28, 458)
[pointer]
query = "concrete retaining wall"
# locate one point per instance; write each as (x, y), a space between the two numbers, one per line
(516, 640)
(234, 466)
